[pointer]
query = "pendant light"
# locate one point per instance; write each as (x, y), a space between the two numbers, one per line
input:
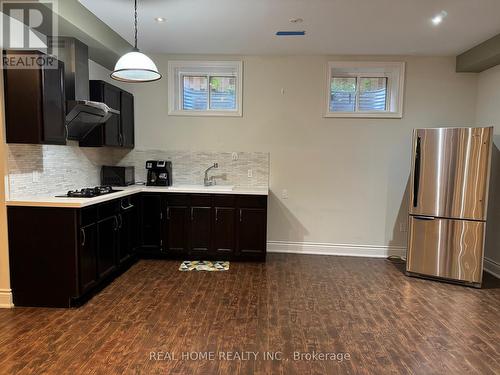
(135, 66)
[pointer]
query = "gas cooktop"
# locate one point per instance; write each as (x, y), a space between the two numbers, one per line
(89, 192)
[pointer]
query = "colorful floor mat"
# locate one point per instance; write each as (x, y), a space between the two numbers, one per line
(204, 265)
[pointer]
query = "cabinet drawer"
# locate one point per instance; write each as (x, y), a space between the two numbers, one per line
(224, 201)
(177, 199)
(88, 216)
(108, 209)
(201, 200)
(252, 201)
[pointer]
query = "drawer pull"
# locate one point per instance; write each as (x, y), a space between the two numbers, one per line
(84, 237)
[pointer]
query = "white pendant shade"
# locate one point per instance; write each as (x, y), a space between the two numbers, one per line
(135, 67)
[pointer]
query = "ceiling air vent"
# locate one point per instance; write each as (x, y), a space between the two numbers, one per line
(291, 33)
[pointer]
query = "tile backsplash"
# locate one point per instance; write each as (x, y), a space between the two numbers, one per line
(42, 170)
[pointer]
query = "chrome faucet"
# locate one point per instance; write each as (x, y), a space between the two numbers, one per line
(210, 181)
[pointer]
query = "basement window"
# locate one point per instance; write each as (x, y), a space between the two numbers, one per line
(205, 88)
(365, 89)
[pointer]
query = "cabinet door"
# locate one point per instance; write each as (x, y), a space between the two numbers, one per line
(224, 231)
(112, 134)
(252, 231)
(88, 257)
(34, 104)
(151, 223)
(127, 120)
(106, 245)
(128, 233)
(177, 230)
(54, 113)
(200, 230)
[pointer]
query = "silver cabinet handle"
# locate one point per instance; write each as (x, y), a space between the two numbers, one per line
(216, 214)
(241, 215)
(168, 213)
(192, 213)
(116, 223)
(84, 237)
(424, 217)
(126, 208)
(121, 221)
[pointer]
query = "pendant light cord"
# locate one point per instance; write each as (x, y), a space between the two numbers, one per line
(135, 25)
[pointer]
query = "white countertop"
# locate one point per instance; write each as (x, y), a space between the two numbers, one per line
(125, 191)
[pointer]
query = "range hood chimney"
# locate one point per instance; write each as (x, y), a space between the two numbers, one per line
(82, 115)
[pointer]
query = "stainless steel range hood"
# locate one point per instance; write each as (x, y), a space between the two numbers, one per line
(82, 115)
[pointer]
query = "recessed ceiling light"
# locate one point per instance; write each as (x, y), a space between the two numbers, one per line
(296, 20)
(160, 19)
(438, 18)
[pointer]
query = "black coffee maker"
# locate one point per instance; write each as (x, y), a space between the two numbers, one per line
(159, 173)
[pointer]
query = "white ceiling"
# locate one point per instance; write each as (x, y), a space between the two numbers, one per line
(332, 26)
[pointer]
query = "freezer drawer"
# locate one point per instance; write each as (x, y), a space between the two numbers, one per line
(450, 172)
(451, 249)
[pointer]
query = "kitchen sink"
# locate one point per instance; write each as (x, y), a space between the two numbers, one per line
(201, 188)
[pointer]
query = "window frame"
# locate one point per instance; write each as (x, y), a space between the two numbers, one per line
(394, 72)
(177, 69)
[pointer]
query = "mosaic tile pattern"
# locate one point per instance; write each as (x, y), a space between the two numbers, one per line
(43, 170)
(189, 167)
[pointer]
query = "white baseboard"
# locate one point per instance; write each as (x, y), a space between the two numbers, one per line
(315, 248)
(6, 299)
(492, 267)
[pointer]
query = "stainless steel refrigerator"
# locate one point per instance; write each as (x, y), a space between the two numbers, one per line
(449, 191)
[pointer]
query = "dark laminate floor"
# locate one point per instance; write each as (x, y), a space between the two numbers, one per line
(388, 323)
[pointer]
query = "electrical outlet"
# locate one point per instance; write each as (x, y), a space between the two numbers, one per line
(234, 156)
(36, 176)
(402, 227)
(284, 194)
(250, 173)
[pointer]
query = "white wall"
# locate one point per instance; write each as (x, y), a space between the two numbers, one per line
(346, 178)
(488, 114)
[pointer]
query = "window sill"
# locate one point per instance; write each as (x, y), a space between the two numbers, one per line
(364, 114)
(206, 113)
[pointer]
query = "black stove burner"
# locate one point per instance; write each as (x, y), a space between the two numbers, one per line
(90, 192)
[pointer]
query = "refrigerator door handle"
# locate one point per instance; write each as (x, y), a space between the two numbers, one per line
(424, 217)
(416, 172)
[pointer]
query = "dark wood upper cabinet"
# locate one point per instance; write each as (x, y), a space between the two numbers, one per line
(118, 131)
(112, 98)
(35, 104)
(127, 120)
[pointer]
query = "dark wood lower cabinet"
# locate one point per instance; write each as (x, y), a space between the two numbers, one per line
(69, 253)
(88, 257)
(59, 257)
(176, 230)
(128, 225)
(213, 227)
(224, 232)
(107, 238)
(252, 231)
(200, 231)
(150, 221)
